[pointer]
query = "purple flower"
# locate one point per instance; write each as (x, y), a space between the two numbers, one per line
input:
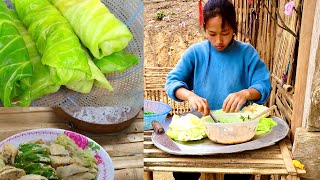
(99, 158)
(80, 140)
(288, 8)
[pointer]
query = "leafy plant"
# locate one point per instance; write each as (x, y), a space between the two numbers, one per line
(160, 15)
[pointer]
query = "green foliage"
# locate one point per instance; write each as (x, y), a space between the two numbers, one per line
(160, 15)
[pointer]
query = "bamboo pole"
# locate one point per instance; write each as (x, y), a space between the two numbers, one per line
(302, 63)
(288, 88)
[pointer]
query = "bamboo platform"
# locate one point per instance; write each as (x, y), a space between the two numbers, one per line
(125, 148)
(273, 160)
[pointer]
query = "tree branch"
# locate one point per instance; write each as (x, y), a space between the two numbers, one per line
(284, 26)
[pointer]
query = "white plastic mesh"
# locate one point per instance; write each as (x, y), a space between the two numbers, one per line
(128, 86)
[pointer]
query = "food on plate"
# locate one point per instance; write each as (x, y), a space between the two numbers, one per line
(37, 160)
(99, 30)
(33, 177)
(186, 128)
(265, 125)
(190, 127)
(11, 173)
(15, 65)
(58, 46)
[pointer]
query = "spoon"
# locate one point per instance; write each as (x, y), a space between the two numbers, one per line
(264, 112)
(214, 118)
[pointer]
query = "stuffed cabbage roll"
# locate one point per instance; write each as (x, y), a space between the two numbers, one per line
(41, 81)
(117, 61)
(99, 30)
(15, 65)
(59, 47)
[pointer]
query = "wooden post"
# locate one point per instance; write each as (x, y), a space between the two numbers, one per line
(302, 63)
(148, 175)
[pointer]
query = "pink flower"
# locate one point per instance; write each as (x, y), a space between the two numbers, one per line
(99, 158)
(250, 2)
(288, 8)
(191, 14)
(182, 24)
(80, 140)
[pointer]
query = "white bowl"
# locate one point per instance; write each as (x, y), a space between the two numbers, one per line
(231, 133)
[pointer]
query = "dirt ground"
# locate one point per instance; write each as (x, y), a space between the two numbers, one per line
(166, 40)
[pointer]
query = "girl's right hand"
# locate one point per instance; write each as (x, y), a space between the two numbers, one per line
(199, 104)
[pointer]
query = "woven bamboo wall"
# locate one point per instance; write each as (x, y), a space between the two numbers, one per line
(154, 89)
(284, 64)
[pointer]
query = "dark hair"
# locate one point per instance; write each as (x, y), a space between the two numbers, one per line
(223, 8)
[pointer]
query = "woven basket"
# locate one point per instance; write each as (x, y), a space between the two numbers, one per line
(128, 85)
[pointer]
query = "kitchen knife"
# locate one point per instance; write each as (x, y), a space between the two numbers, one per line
(162, 138)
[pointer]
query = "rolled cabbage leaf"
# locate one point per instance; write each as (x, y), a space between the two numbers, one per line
(41, 81)
(117, 61)
(59, 47)
(99, 30)
(97, 79)
(15, 65)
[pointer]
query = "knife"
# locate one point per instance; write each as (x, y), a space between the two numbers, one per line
(162, 138)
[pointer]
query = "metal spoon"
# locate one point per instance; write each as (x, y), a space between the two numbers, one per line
(214, 118)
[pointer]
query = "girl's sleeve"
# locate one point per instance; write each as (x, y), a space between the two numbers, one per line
(259, 76)
(181, 75)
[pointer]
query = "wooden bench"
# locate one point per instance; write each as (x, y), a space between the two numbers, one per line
(273, 160)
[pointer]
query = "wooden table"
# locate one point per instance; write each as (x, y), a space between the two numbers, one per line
(272, 160)
(125, 148)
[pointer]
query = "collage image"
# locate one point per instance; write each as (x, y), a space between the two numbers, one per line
(159, 90)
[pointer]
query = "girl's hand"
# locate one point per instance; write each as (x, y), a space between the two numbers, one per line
(199, 104)
(234, 101)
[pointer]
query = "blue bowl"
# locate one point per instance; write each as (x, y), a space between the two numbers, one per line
(160, 109)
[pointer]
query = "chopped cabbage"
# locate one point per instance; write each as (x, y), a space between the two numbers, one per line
(186, 128)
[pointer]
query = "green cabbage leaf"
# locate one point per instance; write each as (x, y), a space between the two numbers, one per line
(15, 65)
(99, 30)
(186, 128)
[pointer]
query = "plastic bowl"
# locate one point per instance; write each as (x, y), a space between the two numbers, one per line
(160, 109)
(231, 133)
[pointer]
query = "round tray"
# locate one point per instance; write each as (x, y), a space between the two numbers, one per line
(98, 119)
(207, 147)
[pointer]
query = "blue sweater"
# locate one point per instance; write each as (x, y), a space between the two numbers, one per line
(213, 75)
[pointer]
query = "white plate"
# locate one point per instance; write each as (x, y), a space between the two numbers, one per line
(105, 167)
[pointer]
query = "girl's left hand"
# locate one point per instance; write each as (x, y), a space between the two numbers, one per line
(234, 101)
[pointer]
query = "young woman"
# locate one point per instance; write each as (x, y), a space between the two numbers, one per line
(220, 72)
